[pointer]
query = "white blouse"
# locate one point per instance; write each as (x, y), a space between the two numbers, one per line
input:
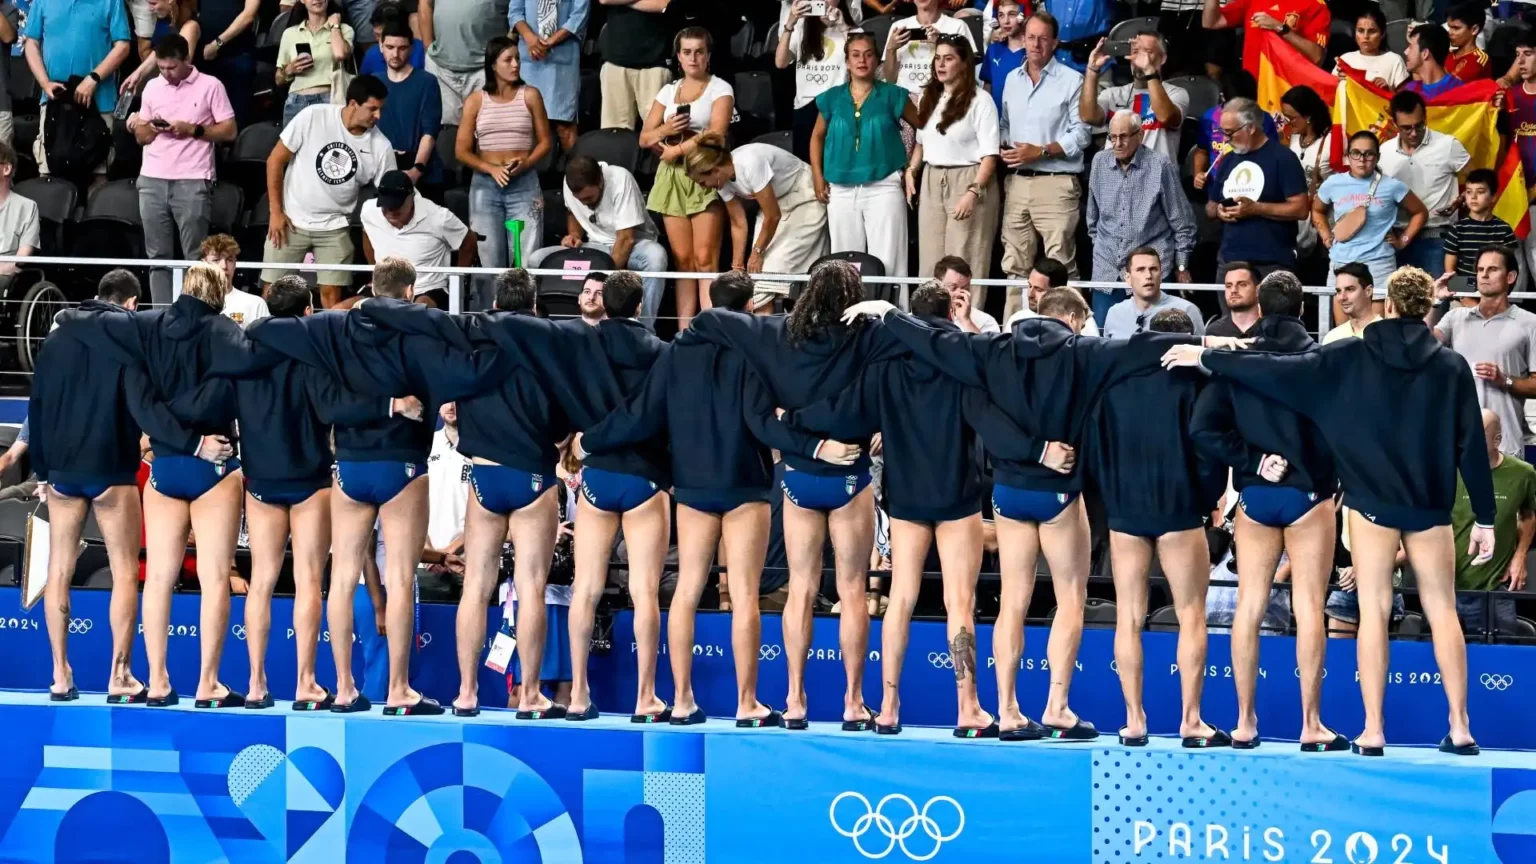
(967, 140)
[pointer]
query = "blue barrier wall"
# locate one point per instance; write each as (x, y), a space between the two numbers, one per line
(1501, 689)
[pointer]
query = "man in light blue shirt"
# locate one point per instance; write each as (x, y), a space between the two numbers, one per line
(1144, 273)
(1043, 141)
(70, 38)
(1082, 21)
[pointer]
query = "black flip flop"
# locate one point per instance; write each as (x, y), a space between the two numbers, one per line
(698, 716)
(555, 711)
(72, 694)
(138, 698)
(1338, 744)
(466, 712)
(1132, 740)
(311, 705)
(1030, 731)
(423, 707)
(861, 725)
(662, 716)
(969, 732)
(165, 701)
(1218, 738)
(881, 729)
(231, 699)
(1366, 751)
(582, 716)
(798, 724)
(1080, 731)
(774, 718)
(1451, 747)
(359, 705)
(1251, 744)
(261, 704)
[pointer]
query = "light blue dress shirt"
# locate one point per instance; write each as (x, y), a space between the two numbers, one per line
(1044, 113)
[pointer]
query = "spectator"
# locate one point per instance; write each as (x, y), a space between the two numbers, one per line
(19, 226)
(1144, 273)
(1303, 24)
(1159, 108)
(386, 13)
(1212, 144)
(1428, 49)
(1241, 286)
(172, 17)
(68, 40)
(1343, 606)
(413, 108)
(1081, 25)
(1496, 337)
(308, 53)
(10, 20)
(590, 300)
(442, 557)
(815, 46)
(1005, 52)
(791, 231)
(955, 275)
(335, 152)
(222, 252)
(1354, 301)
(1522, 121)
(605, 210)
(1135, 199)
(504, 136)
(549, 35)
(1309, 134)
(1380, 66)
(1428, 162)
(183, 114)
(633, 44)
(1466, 61)
(1047, 273)
(695, 103)
(230, 56)
(1043, 142)
(1477, 230)
(456, 36)
(1363, 205)
(857, 157)
(1514, 524)
(1258, 190)
(18, 448)
(912, 44)
(403, 223)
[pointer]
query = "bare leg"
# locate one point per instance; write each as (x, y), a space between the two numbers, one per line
(168, 521)
(853, 535)
(805, 536)
(1131, 559)
(707, 228)
(909, 549)
(645, 539)
(1310, 542)
(698, 533)
(593, 544)
(747, 526)
(1018, 547)
(1066, 543)
(960, 560)
(404, 523)
(310, 527)
(533, 530)
(1258, 556)
(686, 291)
(484, 533)
(1340, 629)
(66, 519)
(120, 517)
(1374, 549)
(1432, 555)
(1186, 561)
(351, 528)
(267, 525)
(216, 523)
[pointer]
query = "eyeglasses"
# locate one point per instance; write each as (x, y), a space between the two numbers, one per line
(1412, 127)
(1363, 154)
(1116, 137)
(1230, 132)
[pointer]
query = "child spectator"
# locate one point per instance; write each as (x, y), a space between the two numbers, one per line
(1477, 230)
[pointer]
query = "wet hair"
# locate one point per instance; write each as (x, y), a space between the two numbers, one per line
(118, 286)
(1054, 271)
(207, 283)
(833, 286)
(516, 290)
(1063, 303)
(931, 300)
(733, 290)
(1171, 321)
(622, 293)
(1361, 273)
(288, 296)
(1280, 293)
(392, 276)
(965, 88)
(1411, 291)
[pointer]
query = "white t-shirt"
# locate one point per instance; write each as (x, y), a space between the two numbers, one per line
(330, 167)
(1089, 328)
(814, 77)
(622, 206)
(984, 322)
(1127, 98)
(428, 240)
(966, 140)
(702, 107)
(915, 66)
(1430, 172)
(447, 490)
(757, 165)
(243, 308)
(1387, 66)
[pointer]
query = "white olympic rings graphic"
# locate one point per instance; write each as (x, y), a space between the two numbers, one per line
(769, 652)
(940, 661)
(424, 639)
(81, 625)
(238, 631)
(1497, 682)
(896, 835)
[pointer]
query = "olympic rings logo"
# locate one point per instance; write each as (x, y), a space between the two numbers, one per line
(1497, 682)
(896, 835)
(84, 625)
(238, 631)
(423, 639)
(769, 652)
(941, 661)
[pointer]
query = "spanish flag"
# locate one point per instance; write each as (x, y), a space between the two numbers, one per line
(1512, 205)
(1282, 67)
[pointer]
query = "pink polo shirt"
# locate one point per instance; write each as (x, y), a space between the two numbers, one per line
(200, 100)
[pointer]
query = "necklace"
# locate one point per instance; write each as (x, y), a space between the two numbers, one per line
(858, 112)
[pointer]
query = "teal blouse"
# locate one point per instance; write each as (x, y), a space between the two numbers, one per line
(863, 147)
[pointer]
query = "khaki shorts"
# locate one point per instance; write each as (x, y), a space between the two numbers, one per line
(330, 247)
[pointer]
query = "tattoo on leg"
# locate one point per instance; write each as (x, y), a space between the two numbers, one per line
(962, 650)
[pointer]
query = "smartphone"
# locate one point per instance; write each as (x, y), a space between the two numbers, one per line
(916, 34)
(159, 123)
(1118, 48)
(818, 8)
(685, 109)
(302, 47)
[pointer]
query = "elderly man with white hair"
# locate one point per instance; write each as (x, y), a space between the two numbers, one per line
(1258, 190)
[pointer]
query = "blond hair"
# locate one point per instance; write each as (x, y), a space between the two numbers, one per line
(392, 276)
(207, 283)
(709, 153)
(1411, 292)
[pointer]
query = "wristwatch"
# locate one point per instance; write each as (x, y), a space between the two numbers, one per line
(93, 76)
(420, 167)
(1284, 28)
(1509, 382)
(757, 250)
(198, 131)
(218, 42)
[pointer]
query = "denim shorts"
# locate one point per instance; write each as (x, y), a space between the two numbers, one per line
(188, 478)
(376, 483)
(504, 490)
(822, 492)
(1029, 505)
(613, 492)
(1345, 606)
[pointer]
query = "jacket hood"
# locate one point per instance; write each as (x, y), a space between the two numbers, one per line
(410, 319)
(1284, 334)
(919, 370)
(627, 343)
(186, 318)
(1401, 343)
(1039, 336)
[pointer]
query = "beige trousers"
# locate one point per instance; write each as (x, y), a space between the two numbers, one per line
(1038, 211)
(939, 233)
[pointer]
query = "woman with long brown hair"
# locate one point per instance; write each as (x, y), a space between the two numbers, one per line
(957, 139)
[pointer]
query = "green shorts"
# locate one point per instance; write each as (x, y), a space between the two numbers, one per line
(330, 247)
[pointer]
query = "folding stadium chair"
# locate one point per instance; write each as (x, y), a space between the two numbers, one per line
(557, 294)
(619, 147)
(227, 212)
(784, 140)
(867, 265)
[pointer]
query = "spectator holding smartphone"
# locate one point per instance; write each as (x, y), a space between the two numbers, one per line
(909, 48)
(307, 55)
(812, 39)
(66, 39)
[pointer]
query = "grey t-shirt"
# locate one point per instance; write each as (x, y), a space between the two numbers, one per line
(18, 224)
(460, 30)
(1125, 319)
(1508, 340)
(13, 15)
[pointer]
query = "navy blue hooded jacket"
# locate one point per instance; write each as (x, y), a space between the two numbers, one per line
(801, 375)
(718, 419)
(928, 424)
(89, 403)
(516, 424)
(1399, 411)
(1237, 427)
(1042, 376)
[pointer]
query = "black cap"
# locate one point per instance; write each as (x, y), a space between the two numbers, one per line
(395, 188)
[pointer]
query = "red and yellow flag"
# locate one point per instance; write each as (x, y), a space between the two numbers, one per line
(1281, 67)
(1512, 205)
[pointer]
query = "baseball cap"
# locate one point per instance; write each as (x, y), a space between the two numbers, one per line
(395, 188)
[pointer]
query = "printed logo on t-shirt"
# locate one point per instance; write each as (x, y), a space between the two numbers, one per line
(1245, 181)
(336, 164)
